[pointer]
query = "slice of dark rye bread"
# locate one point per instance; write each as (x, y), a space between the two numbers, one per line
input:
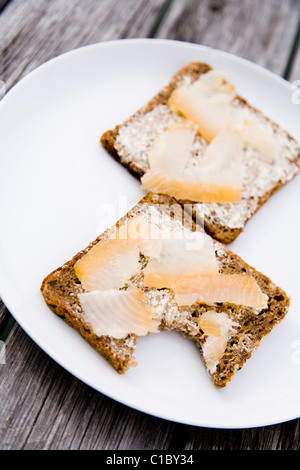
(60, 290)
(223, 221)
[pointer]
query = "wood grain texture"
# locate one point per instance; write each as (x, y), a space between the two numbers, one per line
(45, 407)
(42, 406)
(3, 4)
(35, 31)
(262, 32)
(3, 313)
(294, 69)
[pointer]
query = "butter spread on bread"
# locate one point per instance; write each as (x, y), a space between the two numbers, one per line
(206, 98)
(208, 278)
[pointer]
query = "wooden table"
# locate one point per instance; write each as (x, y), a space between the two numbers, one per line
(42, 406)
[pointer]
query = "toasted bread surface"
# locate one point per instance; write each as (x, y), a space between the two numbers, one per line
(223, 221)
(61, 288)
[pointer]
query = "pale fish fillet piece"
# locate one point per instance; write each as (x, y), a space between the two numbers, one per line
(108, 264)
(191, 255)
(217, 178)
(192, 191)
(218, 327)
(118, 313)
(239, 289)
(207, 102)
(171, 149)
(213, 350)
(112, 262)
(147, 235)
(214, 323)
(258, 139)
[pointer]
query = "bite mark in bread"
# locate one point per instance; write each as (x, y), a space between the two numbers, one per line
(62, 289)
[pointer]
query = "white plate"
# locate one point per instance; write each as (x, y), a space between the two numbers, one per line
(57, 184)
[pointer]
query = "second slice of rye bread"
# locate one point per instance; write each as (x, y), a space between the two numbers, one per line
(60, 290)
(130, 142)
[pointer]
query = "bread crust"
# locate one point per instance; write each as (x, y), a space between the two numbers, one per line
(60, 290)
(194, 70)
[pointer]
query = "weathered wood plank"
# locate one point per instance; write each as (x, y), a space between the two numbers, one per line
(31, 33)
(77, 417)
(3, 311)
(3, 4)
(42, 405)
(282, 436)
(295, 66)
(262, 32)
(5, 321)
(34, 31)
(45, 407)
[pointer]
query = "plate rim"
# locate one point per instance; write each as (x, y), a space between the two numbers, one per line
(13, 308)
